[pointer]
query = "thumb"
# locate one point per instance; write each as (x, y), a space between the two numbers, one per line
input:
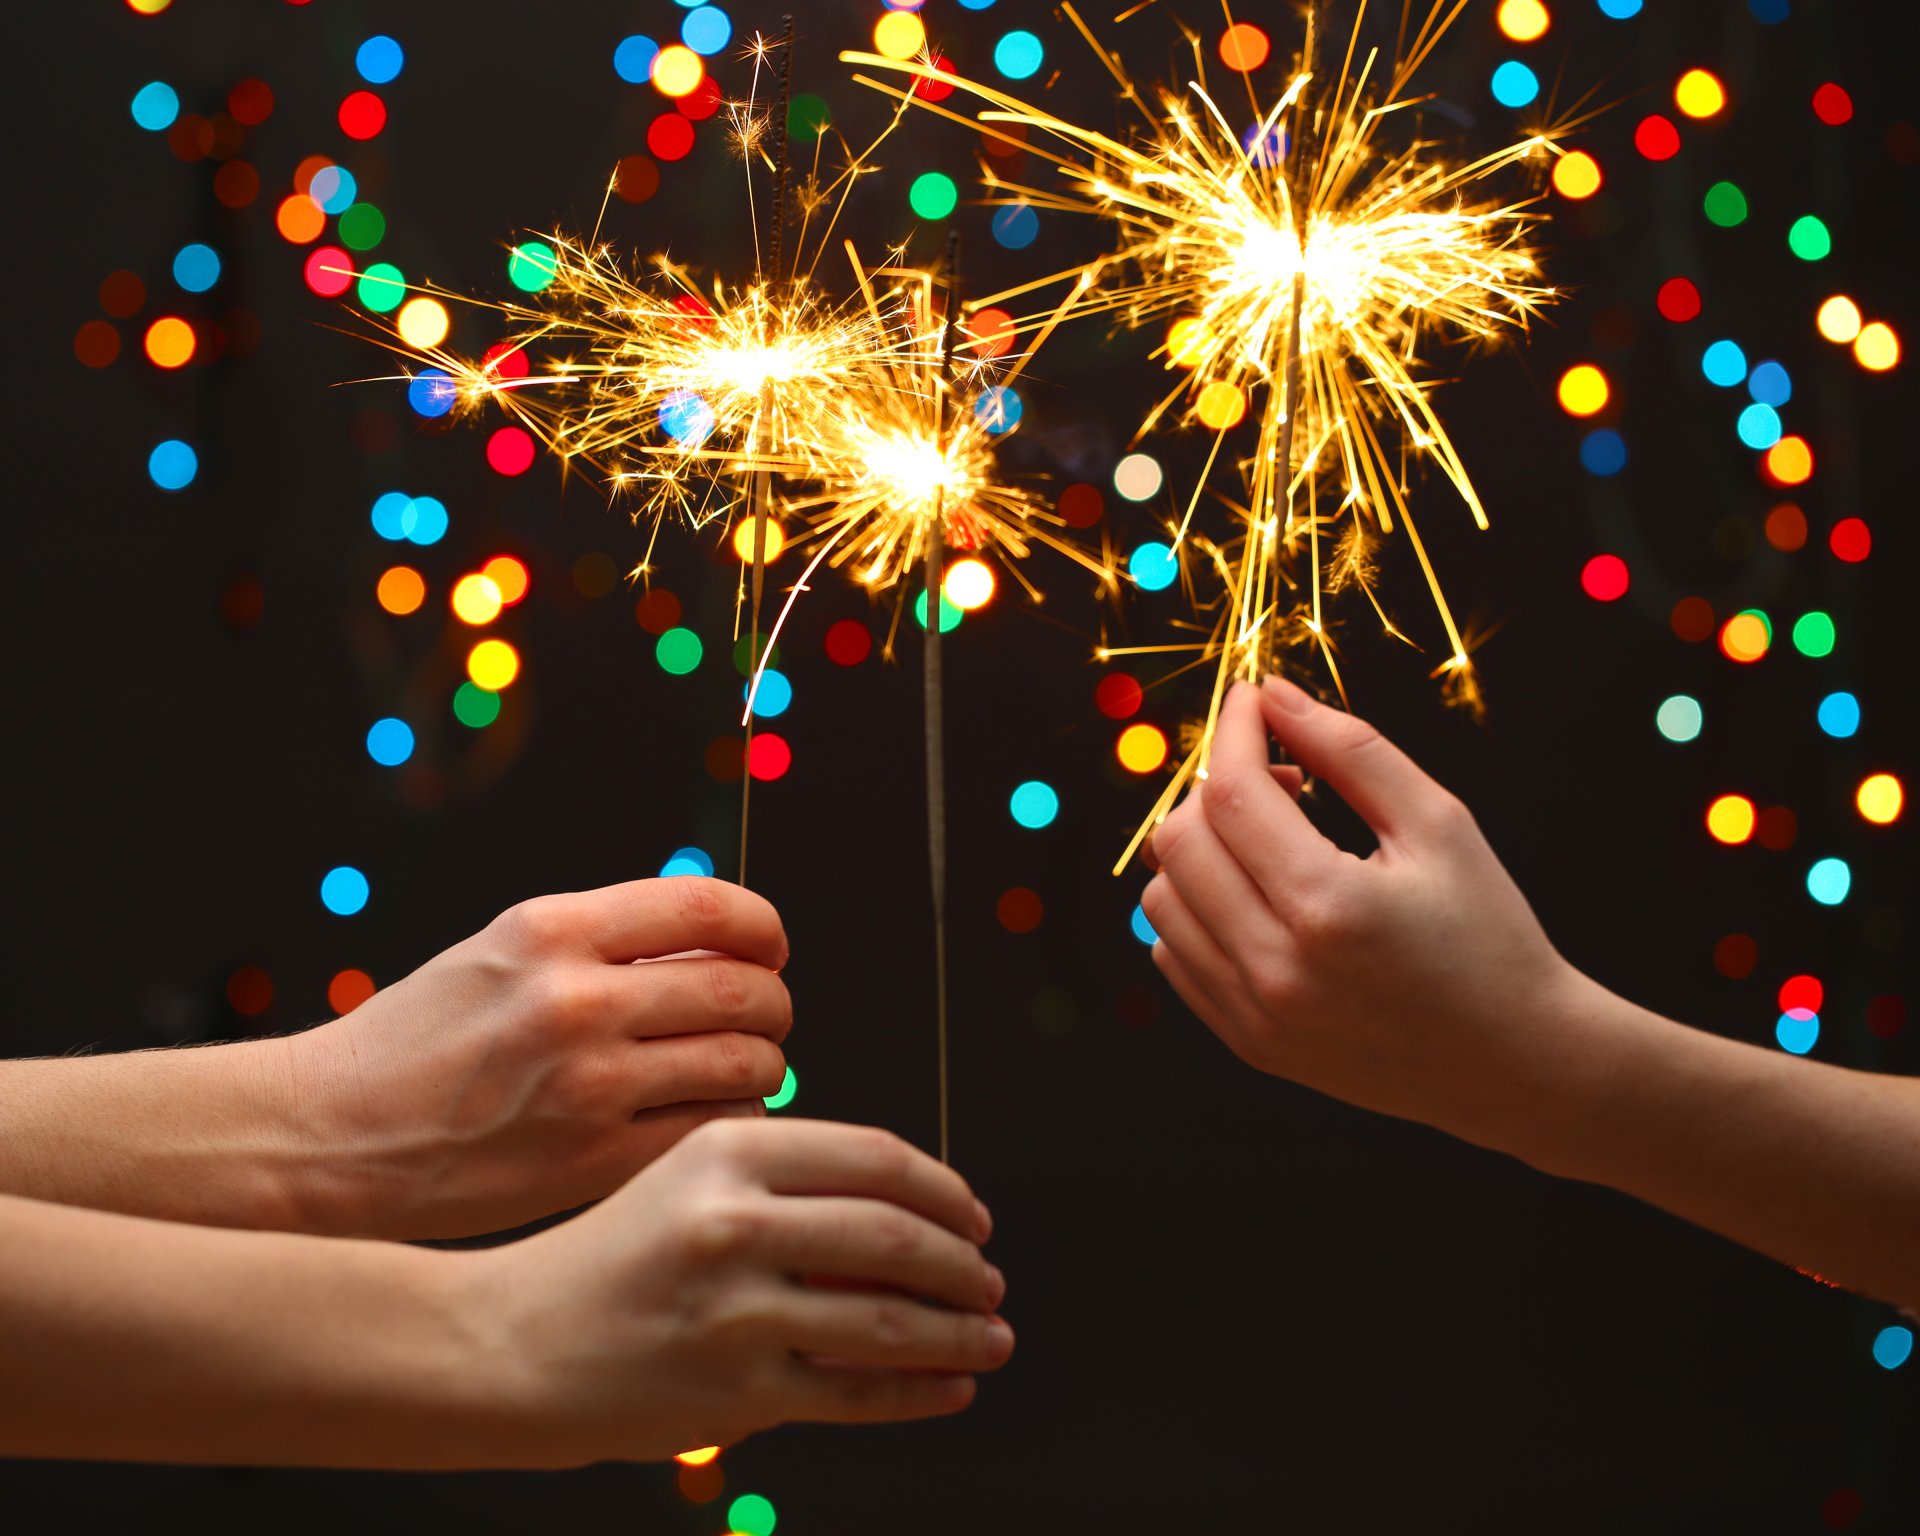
(1388, 789)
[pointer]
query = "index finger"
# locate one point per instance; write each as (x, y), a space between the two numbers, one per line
(1260, 823)
(650, 919)
(823, 1157)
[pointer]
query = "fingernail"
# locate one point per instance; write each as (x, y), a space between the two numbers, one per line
(1291, 697)
(999, 1341)
(996, 1286)
(982, 1220)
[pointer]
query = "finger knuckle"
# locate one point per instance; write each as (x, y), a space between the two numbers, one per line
(896, 1235)
(1275, 986)
(1355, 736)
(720, 1229)
(537, 926)
(1224, 793)
(721, 1142)
(563, 1001)
(885, 1153)
(728, 988)
(1449, 816)
(894, 1325)
(699, 900)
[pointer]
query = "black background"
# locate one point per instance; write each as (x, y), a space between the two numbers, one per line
(1242, 1307)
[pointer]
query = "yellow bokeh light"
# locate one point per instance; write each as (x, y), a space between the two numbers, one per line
(1790, 461)
(1583, 390)
(1876, 347)
(493, 664)
(476, 600)
(899, 35)
(1730, 819)
(148, 7)
(401, 590)
(677, 71)
(1141, 748)
(1744, 637)
(1221, 405)
(509, 575)
(170, 342)
(969, 584)
(1576, 175)
(1699, 93)
(1188, 341)
(776, 540)
(423, 323)
(698, 1458)
(1880, 798)
(1523, 20)
(1839, 319)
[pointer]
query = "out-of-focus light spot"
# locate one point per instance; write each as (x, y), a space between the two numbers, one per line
(1832, 105)
(1877, 347)
(422, 323)
(950, 614)
(1839, 715)
(390, 742)
(432, 392)
(899, 35)
(362, 227)
(1142, 748)
(1801, 994)
(1576, 175)
(1118, 696)
(848, 643)
(493, 665)
(334, 188)
(1656, 138)
(392, 514)
(1776, 828)
(382, 287)
(1813, 634)
(122, 294)
(1583, 390)
(476, 600)
(1019, 910)
(1603, 452)
(1724, 364)
(998, 408)
(633, 58)
(782, 1096)
(1880, 798)
(772, 698)
(1786, 528)
(1892, 1347)
(362, 115)
(1620, 10)
(1016, 227)
(1692, 619)
(990, 332)
(148, 7)
(1699, 93)
(670, 136)
(706, 30)
(532, 265)
(969, 584)
(1188, 341)
(689, 861)
(750, 1514)
(379, 60)
(1829, 881)
(769, 757)
(1725, 204)
(344, 890)
(236, 184)
(686, 418)
(1887, 1016)
(1018, 55)
(933, 195)
(1678, 300)
(400, 590)
(1153, 566)
(172, 465)
(348, 990)
(1770, 384)
(1790, 461)
(1838, 319)
(475, 707)
(1523, 20)
(250, 102)
(1730, 819)
(677, 70)
(299, 219)
(1809, 239)
(1244, 47)
(510, 451)
(1138, 477)
(1605, 578)
(937, 86)
(1797, 1032)
(250, 991)
(170, 342)
(1514, 85)
(1769, 13)
(1759, 426)
(1679, 718)
(1851, 540)
(678, 651)
(1034, 805)
(509, 576)
(329, 271)
(1746, 636)
(155, 106)
(1221, 405)
(1735, 956)
(772, 540)
(808, 117)
(1142, 929)
(424, 521)
(196, 268)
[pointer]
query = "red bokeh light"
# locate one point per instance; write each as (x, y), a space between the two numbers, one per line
(1118, 696)
(1656, 138)
(1605, 578)
(1678, 300)
(849, 643)
(362, 115)
(769, 757)
(510, 451)
(1851, 540)
(1832, 105)
(670, 137)
(1804, 992)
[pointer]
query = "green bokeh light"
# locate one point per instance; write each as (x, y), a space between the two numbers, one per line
(950, 614)
(1679, 718)
(743, 655)
(1813, 634)
(475, 706)
(1726, 204)
(808, 117)
(532, 265)
(789, 1086)
(362, 227)
(678, 651)
(751, 1515)
(933, 195)
(1809, 240)
(382, 287)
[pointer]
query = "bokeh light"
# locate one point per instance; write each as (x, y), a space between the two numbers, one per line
(401, 590)
(1892, 1346)
(899, 35)
(1699, 93)
(1838, 715)
(1813, 634)
(1679, 718)
(782, 1096)
(390, 742)
(1034, 804)
(1523, 20)
(344, 890)
(1838, 319)
(1244, 47)
(1018, 55)
(1656, 138)
(1880, 798)
(1725, 205)
(493, 665)
(1851, 540)
(475, 707)
(1138, 477)
(1605, 578)
(379, 60)
(1809, 239)
(1797, 1032)
(678, 651)
(172, 465)
(1142, 748)
(423, 323)
(476, 600)
(773, 539)
(1746, 637)
(1877, 347)
(510, 451)
(933, 194)
(1829, 881)
(751, 1514)
(677, 70)
(170, 342)
(1790, 461)
(1576, 175)
(969, 584)
(1513, 84)
(1724, 364)
(1730, 819)
(155, 106)
(1583, 390)
(1153, 566)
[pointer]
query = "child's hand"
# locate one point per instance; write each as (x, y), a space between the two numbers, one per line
(1413, 981)
(760, 1273)
(534, 1066)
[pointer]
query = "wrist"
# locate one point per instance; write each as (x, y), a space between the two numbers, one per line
(319, 1178)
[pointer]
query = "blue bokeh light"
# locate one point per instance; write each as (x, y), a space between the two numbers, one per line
(334, 188)
(1603, 452)
(1018, 55)
(425, 520)
(390, 515)
(155, 106)
(773, 695)
(1142, 929)
(633, 58)
(706, 30)
(1514, 85)
(1016, 227)
(431, 392)
(686, 417)
(1724, 364)
(380, 60)
(1153, 566)
(196, 268)
(1770, 383)
(344, 890)
(1797, 1031)
(173, 464)
(998, 408)
(390, 742)
(688, 861)
(1034, 805)
(1829, 881)
(1839, 715)
(1759, 426)
(1892, 1347)
(1620, 10)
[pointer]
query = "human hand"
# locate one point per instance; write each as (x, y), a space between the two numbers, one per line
(1411, 981)
(761, 1272)
(536, 1065)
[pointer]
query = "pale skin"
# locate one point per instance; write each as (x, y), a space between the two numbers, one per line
(754, 1272)
(1417, 982)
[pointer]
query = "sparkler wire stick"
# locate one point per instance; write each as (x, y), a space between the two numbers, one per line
(934, 688)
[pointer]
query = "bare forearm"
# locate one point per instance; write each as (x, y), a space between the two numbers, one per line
(128, 1339)
(214, 1136)
(1815, 1165)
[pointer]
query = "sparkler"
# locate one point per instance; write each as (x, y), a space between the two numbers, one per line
(1303, 264)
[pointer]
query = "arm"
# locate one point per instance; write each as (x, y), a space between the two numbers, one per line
(1417, 982)
(529, 1069)
(664, 1319)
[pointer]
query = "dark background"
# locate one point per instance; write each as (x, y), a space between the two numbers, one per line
(1242, 1307)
